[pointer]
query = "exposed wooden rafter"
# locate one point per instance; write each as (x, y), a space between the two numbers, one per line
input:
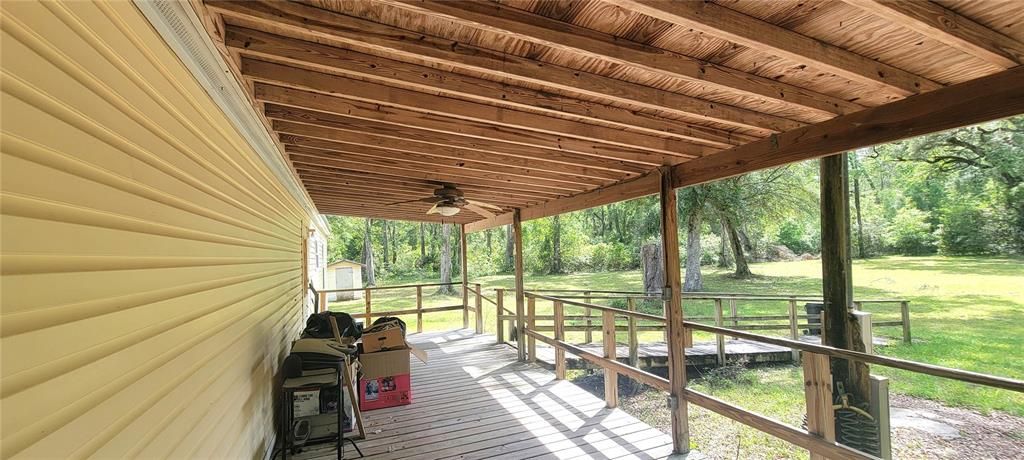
(717, 20)
(320, 25)
(540, 29)
(938, 23)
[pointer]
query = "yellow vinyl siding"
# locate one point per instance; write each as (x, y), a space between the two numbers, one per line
(151, 266)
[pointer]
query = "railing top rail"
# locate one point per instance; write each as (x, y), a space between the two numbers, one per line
(618, 311)
(383, 288)
(702, 296)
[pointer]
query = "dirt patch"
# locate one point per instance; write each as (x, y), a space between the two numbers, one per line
(925, 430)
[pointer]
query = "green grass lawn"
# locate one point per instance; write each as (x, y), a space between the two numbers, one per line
(966, 313)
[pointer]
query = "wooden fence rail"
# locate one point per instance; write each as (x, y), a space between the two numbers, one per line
(368, 312)
(818, 439)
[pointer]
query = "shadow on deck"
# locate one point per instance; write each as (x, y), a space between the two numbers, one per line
(472, 400)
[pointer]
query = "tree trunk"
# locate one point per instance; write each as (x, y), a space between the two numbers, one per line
(694, 282)
(490, 249)
(860, 224)
(446, 260)
(423, 245)
(652, 261)
(742, 269)
(841, 328)
(368, 268)
(509, 248)
(724, 260)
(385, 237)
(556, 245)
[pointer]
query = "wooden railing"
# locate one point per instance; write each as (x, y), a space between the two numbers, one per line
(818, 438)
(794, 321)
(369, 313)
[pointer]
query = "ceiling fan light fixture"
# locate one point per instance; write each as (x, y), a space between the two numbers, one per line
(448, 211)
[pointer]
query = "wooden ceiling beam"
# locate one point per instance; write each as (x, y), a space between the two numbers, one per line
(388, 179)
(331, 59)
(317, 157)
(984, 99)
(515, 174)
(313, 180)
(569, 172)
(943, 25)
(719, 21)
(668, 150)
(563, 36)
(314, 24)
(553, 148)
(341, 178)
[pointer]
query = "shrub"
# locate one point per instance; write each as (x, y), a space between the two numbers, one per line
(909, 233)
(965, 229)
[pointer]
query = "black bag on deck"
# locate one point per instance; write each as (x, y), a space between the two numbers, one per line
(318, 326)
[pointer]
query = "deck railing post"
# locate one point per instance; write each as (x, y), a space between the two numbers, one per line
(719, 338)
(793, 334)
(866, 335)
(500, 306)
(734, 313)
(465, 277)
(677, 332)
(634, 351)
(611, 378)
(905, 314)
(588, 337)
(419, 309)
(559, 335)
(531, 325)
(479, 310)
(322, 302)
(818, 395)
(366, 300)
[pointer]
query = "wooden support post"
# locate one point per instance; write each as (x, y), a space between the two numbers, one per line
(611, 378)
(367, 301)
(674, 315)
(559, 335)
(322, 302)
(905, 314)
(734, 313)
(839, 329)
(465, 277)
(531, 324)
(479, 310)
(719, 338)
(517, 233)
(500, 310)
(588, 336)
(880, 411)
(634, 342)
(866, 334)
(793, 332)
(818, 394)
(419, 309)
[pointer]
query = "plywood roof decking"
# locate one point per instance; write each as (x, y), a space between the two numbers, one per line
(526, 102)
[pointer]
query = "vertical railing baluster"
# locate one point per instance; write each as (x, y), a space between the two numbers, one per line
(611, 378)
(500, 325)
(419, 309)
(559, 335)
(531, 325)
(366, 299)
(719, 338)
(587, 335)
(634, 351)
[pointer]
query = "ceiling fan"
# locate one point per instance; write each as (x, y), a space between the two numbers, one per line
(448, 201)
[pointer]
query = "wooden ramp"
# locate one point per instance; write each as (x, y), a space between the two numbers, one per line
(472, 400)
(701, 354)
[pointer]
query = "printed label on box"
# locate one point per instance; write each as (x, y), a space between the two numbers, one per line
(381, 392)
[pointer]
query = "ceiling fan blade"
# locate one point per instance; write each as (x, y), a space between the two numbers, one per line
(484, 205)
(479, 210)
(433, 209)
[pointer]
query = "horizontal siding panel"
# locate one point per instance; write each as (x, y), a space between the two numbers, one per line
(151, 265)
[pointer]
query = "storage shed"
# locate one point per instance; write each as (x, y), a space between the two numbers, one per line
(344, 274)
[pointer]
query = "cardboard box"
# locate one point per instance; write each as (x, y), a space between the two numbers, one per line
(386, 381)
(383, 337)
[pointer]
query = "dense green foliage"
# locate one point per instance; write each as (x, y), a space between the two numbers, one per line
(957, 193)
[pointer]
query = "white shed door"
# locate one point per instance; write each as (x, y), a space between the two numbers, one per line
(343, 277)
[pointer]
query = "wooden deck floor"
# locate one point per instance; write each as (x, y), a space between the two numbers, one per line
(472, 400)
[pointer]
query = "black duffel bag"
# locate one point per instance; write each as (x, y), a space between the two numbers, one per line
(318, 326)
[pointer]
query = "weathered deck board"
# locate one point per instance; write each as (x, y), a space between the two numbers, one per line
(472, 400)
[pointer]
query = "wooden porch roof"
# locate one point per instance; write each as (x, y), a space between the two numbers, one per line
(551, 106)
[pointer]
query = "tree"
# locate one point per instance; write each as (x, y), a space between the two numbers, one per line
(652, 261)
(693, 202)
(368, 266)
(556, 245)
(729, 225)
(509, 259)
(446, 260)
